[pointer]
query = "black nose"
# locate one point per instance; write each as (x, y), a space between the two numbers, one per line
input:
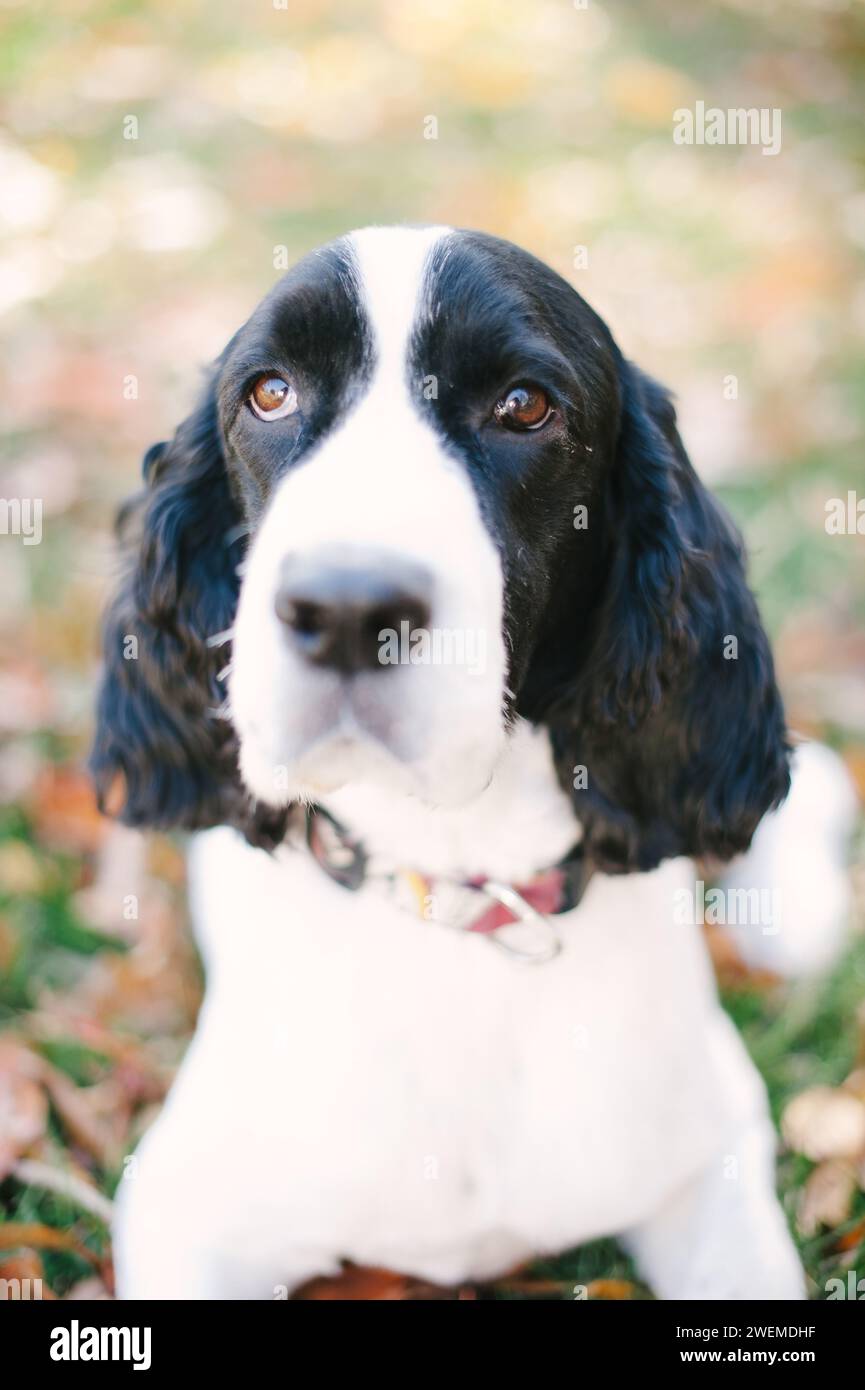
(336, 610)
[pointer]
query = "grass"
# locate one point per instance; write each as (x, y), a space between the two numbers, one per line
(798, 1035)
(587, 123)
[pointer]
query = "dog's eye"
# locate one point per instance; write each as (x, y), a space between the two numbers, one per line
(525, 407)
(272, 398)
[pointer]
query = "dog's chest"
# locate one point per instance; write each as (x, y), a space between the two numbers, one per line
(417, 1099)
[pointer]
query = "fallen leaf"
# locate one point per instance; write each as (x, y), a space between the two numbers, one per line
(731, 971)
(91, 1290)
(854, 757)
(93, 1116)
(852, 1239)
(114, 797)
(25, 1269)
(535, 1288)
(610, 1289)
(855, 1083)
(20, 871)
(92, 1125)
(17, 1234)
(111, 902)
(359, 1284)
(139, 1072)
(25, 1265)
(74, 1186)
(823, 1122)
(64, 810)
(826, 1198)
(26, 700)
(166, 860)
(8, 945)
(23, 1109)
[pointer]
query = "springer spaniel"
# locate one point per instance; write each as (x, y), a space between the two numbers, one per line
(449, 654)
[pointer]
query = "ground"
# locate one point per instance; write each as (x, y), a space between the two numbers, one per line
(162, 163)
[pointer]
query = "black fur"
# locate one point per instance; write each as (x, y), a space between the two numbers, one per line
(164, 747)
(616, 632)
(684, 742)
(161, 747)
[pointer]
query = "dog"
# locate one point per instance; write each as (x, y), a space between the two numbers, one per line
(452, 1020)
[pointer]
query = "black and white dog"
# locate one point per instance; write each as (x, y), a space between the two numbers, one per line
(441, 546)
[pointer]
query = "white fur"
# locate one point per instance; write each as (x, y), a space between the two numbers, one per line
(380, 484)
(802, 847)
(367, 1085)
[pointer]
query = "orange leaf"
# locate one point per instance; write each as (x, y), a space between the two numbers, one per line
(731, 971)
(361, 1284)
(852, 1238)
(535, 1288)
(610, 1289)
(64, 809)
(14, 1234)
(26, 1265)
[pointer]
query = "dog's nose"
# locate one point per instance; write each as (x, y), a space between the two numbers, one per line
(340, 614)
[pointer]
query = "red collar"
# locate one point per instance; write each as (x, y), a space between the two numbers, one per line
(550, 892)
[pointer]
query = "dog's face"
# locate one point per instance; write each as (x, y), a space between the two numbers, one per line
(410, 477)
(425, 493)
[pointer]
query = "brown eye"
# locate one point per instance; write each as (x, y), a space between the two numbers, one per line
(525, 407)
(272, 398)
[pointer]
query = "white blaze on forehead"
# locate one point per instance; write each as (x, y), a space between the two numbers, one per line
(381, 484)
(391, 263)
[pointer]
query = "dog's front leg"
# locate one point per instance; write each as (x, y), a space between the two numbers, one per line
(724, 1235)
(188, 1226)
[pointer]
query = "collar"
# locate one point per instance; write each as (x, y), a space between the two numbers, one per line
(482, 906)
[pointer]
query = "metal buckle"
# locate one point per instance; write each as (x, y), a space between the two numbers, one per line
(525, 913)
(336, 852)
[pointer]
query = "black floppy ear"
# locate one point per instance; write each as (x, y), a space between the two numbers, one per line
(675, 715)
(162, 749)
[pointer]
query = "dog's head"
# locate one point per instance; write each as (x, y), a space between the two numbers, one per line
(423, 494)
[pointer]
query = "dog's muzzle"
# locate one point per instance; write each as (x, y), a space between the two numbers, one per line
(337, 612)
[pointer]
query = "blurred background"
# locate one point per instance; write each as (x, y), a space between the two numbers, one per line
(157, 161)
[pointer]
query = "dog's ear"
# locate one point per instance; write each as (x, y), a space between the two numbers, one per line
(672, 734)
(163, 754)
